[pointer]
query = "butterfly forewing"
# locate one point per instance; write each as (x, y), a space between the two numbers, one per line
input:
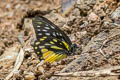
(45, 27)
(52, 44)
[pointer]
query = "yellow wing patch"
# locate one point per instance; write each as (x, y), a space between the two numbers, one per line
(36, 47)
(55, 57)
(55, 47)
(45, 37)
(37, 43)
(39, 22)
(55, 40)
(42, 39)
(41, 46)
(51, 42)
(47, 44)
(49, 58)
(46, 54)
(44, 50)
(66, 45)
(60, 57)
(38, 52)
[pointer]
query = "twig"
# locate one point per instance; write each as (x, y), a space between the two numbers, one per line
(18, 63)
(101, 73)
(107, 40)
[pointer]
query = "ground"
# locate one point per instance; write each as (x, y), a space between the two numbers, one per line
(93, 25)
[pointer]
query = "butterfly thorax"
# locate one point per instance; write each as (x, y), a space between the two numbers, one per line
(72, 49)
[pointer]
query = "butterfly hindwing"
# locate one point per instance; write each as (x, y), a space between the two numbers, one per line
(50, 49)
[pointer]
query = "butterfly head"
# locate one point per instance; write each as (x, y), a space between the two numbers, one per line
(72, 48)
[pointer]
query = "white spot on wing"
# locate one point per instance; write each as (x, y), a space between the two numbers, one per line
(60, 34)
(38, 26)
(41, 46)
(40, 34)
(38, 30)
(47, 34)
(57, 33)
(44, 30)
(46, 24)
(54, 34)
(52, 27)
(47, 28)
(47, 44)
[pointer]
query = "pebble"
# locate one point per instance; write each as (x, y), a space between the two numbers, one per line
(93, 17)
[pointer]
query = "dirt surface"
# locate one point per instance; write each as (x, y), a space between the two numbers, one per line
(94, 25)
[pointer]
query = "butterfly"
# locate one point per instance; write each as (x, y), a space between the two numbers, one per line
(51, 44)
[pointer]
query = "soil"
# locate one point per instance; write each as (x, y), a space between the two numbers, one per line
(93, 25)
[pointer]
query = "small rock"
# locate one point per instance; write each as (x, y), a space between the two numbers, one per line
(81, 34)
(41, 69)
(72, 38)
(84, 24)
(116, 13)
(21, 37)
(67, 6)
(116, 16)
(17, 6)
(11, 14)
(93, 17)
(8, 6)
(29, 76)
(10, 53)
